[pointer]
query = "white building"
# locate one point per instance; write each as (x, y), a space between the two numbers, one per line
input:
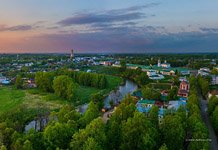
(163, 65)
(214, 79)
(151, 73)
(2, 79)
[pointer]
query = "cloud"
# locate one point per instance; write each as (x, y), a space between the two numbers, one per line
(16, 28)
(128, 40)
(110, 16)
(100, 18)
(209, 29)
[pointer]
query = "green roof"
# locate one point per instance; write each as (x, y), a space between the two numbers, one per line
(146, 101)
(163, 98)
(155, 67)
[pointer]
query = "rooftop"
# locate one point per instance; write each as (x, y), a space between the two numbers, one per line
(146, 101)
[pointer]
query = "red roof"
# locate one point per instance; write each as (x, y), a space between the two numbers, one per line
(214, 92)
(158, 103)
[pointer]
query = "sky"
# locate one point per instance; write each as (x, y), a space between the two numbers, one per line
(108, 26)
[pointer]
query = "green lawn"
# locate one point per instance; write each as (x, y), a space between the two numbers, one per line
(113, 82)
(10, 98)
(84, 93)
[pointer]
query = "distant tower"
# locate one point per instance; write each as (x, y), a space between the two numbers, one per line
(159, 63)
(17, 56)
(71, 55)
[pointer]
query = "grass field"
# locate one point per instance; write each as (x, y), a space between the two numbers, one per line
(10, 98)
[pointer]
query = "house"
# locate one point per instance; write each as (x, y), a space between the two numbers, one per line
(213, 92)
(144, 105)
(159, 104)
(157, 77)
(185, 72)
(168, 72)
(183, 79)
(28, 64)
(154, 76)
(106, 63)
(183, 89)
(176, 104)
(164, 93)
(151, 73)
(204, 71)
(214, 79)
(2, 78)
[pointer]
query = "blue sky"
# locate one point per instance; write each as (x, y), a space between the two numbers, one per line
(116, 26)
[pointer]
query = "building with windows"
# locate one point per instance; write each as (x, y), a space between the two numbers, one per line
(183, 89)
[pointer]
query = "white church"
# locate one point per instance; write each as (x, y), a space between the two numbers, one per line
(163, 65)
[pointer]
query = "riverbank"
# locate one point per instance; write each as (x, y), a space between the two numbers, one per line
(115, 96)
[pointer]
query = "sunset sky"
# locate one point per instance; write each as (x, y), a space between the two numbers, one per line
(108, 26)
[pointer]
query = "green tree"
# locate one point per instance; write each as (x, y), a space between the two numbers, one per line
(172, 132)
(147, 92)
(27, 145)
(44, 81)
(19, 82)
(142, 79)
(176, 80)
(163, 147)
(172, 94)
(138, 133)
(91, 144)
(213, 102)
(153, 116)
(98, 99)
(215, 119)
(199, 132)
(58, 135)
(93, 130)
(103, 82)
(64, 87)
(3, 147)
(123, 65)
(91, 113)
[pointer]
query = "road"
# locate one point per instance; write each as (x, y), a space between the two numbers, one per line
(205, 117)
(105, 116)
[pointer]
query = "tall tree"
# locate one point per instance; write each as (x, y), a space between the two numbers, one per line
(94, 130)
(19, 82)
(172, 132)
(58, 135)
(153, 116)
(64, 87)
(91, 113)
(138, 133)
